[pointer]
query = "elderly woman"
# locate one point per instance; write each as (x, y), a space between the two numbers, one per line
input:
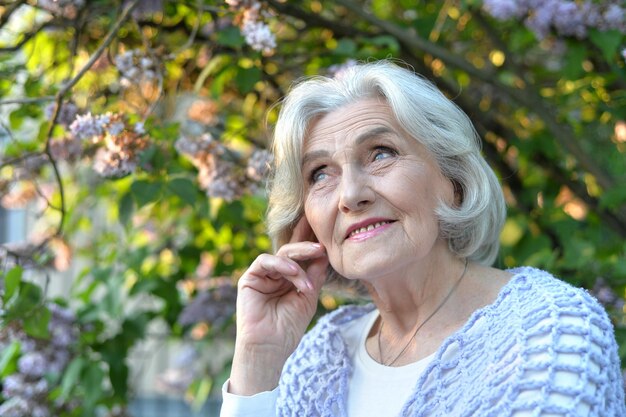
(379, 179)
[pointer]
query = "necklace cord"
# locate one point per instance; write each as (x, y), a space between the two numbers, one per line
(380, 352)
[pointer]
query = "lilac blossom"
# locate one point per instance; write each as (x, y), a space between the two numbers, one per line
(219, 181)
(66, 115)
(136, 66)
(504, 9)
(27, 389)
(255, 31)
(32, 364)
(66, 149)
(86, 127)
(613, 17)
(110, 164)
(214, 306)
(259, 36)
(15, 407)
(561, 17)
(259, 164)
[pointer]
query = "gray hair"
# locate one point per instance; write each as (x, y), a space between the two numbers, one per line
(471, 226)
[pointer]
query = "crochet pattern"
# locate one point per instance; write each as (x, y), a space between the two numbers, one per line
(543, 347)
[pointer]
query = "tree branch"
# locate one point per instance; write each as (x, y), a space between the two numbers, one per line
(59, 99)
(26, 100)
(316, 20)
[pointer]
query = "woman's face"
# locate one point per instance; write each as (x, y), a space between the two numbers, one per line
(371, 192)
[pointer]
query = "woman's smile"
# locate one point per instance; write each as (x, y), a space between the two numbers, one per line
(367, 229)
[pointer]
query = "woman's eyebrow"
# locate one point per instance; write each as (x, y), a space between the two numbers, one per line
(372, 134)
(311, 156)
(363, 137)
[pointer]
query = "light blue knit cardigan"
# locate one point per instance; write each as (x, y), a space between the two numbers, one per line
(512, 363)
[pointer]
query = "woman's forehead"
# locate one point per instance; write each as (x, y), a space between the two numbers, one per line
(355, 121)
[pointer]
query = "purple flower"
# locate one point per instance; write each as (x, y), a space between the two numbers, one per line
(214, 306)
(85, 127)
(14, 407)
(613, 17)
(32, 364)
(12, 385)
(569, 20)
(139, 128)
(66, 115)
(504, 9)
(259, 164)
(116, 128)
(259, 36)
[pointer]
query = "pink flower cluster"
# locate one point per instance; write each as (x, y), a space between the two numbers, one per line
(256, 32)
(25, 391)
(563, 17)
(119, 145)
(220, 172)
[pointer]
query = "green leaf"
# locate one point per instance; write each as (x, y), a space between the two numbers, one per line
(230, 36)
(29, 297)
(71, 377)
(36, 323)
(32, 87)
(608, 42)
(92, 383)
(125, 208)
(246, 78)
(119, 380)
(386, 41)
(574, 58)
(12, 281)
(345, 47)
(145, 192)
(200, 392)
(613, 198)
(16, 118)
(184, 188)
(8, 359)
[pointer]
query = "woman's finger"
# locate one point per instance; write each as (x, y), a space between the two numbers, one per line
(279, 267)
(301, 251)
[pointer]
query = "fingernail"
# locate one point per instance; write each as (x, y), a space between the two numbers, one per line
(293, 267)
(316, 245)
(309, 284)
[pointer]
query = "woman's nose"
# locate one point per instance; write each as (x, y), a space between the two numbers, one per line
(355, 193)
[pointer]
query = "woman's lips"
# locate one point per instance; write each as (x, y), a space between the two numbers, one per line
(369, 230)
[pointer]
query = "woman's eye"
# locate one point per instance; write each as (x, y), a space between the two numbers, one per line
(318, 175)
(383, 152)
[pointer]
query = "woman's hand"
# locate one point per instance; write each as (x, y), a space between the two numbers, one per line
(276, 300)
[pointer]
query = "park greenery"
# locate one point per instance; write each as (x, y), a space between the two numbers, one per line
(137, 132)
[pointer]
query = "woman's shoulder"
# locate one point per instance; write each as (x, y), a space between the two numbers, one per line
(541, 289)
(542, 303)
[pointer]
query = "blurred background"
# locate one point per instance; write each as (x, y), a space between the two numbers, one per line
(134, 164)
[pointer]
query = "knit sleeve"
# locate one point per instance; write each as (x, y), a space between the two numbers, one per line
(570, 365)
